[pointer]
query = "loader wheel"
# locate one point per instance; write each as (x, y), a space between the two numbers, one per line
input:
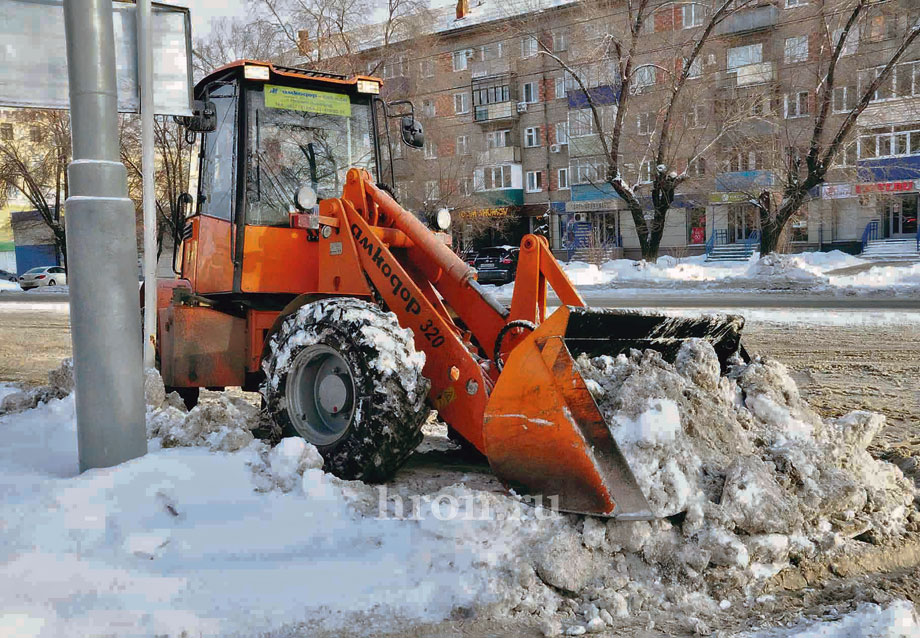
(343, 375)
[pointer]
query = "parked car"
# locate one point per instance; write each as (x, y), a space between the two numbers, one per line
(6, 275)
(497, 265)
(43, 276)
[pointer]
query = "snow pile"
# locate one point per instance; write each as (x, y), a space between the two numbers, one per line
(776, 269)
(60, 384)
(752, 478)
(881, 277)
(8, 285)
(897, 620)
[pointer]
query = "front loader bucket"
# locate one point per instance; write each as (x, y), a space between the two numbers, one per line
(544, 435)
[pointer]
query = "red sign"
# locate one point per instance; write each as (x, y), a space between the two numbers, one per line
(885, 187)
(697, 235)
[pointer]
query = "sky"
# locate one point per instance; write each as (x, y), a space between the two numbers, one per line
(203, 11)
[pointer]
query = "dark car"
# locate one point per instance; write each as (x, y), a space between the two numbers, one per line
(6, 275)
(497, 265)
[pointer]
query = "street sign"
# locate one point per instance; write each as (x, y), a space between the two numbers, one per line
(33, 59)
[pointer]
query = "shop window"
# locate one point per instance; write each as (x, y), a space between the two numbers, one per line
(696, 226)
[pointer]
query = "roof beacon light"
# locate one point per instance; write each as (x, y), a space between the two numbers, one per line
(368, 86)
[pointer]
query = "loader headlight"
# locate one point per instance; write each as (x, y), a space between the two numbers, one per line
(369, 86)
(442, 219)
(305, 198)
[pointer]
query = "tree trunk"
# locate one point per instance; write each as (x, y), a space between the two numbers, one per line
(770, 233)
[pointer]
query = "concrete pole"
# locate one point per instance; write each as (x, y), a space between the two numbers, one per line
(145, 80)
(101, 249)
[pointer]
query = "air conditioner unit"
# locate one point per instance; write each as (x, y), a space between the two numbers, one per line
(581, 217)
(522, 107)
(555, 148)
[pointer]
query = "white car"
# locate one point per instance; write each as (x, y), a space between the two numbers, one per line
(43, 276)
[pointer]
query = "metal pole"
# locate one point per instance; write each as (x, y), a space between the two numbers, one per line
(101, 249)
(145, 80)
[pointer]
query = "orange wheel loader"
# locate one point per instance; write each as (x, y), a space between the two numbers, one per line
(298, 275)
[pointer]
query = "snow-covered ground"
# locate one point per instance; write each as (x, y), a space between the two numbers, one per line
(8, 285)
(813, 272)
(897, 620)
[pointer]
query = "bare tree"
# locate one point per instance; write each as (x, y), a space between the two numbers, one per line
(806, 169)
(35, 166)
(233, 39)
(632, 73)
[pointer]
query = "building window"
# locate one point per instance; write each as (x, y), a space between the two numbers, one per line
(796, 3)
(697, 167)
(581, 123)
(744, 56)
(498, 139)
(890, 141)
(844, 99)
(645, 172)
(692, 15)
(851, 44)
(430, 151)
(532, 137)
(529, 92)
(742, 160)
(696, 117)
(562, 133)
(485, 94)
(428, 108)
(876, 29)
(426, 68)
(562, 179)
(560, 41)
(796, 104)
(528, 46)
(6, 132)
(534, 181)
(587, 170)
(35, 134)
(799, 226)
(696, 67)
(560, 87)
(394, 68)
(646, 123)
(848, 154)
(796, 49)
(696, 226)
(644, 76)
(432, 190)
(494, 51)
(493, 177)
(463, 145)
(461, 59)
(466, 186)
(461, 103)
(903, 81)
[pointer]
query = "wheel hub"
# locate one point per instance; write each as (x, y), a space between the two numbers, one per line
(320, 394)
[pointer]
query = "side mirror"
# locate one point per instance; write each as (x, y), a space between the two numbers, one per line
(183, 201)
(412, 133)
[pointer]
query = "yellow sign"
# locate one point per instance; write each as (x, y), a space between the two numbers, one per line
(484, 212)
(286, 97)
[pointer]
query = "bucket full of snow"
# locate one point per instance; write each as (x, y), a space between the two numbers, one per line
(545, 436)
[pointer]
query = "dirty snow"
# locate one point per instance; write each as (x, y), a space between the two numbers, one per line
(8, 285)
(897, 620)
(215, 533)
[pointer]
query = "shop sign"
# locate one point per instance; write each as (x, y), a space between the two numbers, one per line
(485, 212)
(729, 198)
(838, 191)
(697, 236)
(590, 205)
(902, 186)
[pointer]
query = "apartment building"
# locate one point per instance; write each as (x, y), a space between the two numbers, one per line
(512, 147)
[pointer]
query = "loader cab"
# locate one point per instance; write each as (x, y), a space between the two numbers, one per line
(266, 131)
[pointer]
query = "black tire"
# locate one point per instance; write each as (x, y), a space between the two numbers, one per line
(384, 402)
(189, 396)
(51, 282)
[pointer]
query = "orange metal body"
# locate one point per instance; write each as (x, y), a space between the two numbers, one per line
(534, 420)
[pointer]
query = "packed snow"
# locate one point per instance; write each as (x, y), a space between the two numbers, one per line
(810, 271)
(897, 620)
(216, 533)
(8, 285)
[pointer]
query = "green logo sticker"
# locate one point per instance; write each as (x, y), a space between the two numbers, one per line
(286, 97)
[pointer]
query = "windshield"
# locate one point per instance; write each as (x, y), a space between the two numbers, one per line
(302, 136)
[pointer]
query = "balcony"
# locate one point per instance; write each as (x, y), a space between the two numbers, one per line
(745, 181)
(502, 155)
(494, 112)
(748, 20)
(488, 68)
(585, 146)
(748, 75)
